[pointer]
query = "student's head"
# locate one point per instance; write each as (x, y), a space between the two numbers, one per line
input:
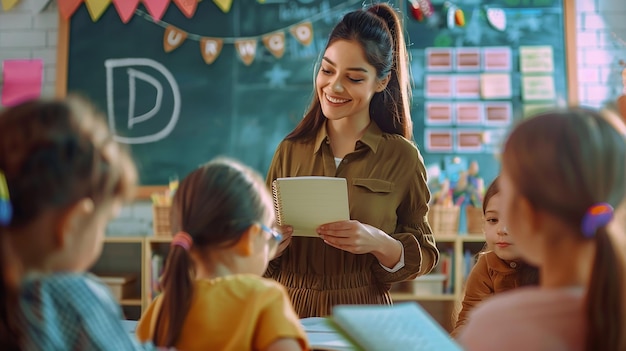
(363, 72)
(560, 172)
(221, 218)
(65, 177)
(496, 235)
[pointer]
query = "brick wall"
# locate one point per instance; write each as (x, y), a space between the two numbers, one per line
(601, 44)
(24, 35)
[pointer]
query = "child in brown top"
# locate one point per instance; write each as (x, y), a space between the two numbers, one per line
(499, 268)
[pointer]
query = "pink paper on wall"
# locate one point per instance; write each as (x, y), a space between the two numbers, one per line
(21, 80)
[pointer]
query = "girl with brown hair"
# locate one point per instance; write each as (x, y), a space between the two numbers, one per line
(563, 173)
(500, 267)
(213, 296)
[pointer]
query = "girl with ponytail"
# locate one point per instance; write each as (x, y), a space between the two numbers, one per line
(213, 296)
(563, 174)
(358, 127)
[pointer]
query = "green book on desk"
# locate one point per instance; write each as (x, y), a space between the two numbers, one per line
(403, 326)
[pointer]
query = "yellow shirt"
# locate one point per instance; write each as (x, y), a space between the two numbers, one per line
(386, 189)
(239, 312)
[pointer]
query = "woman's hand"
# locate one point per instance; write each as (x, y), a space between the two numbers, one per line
(358, 238)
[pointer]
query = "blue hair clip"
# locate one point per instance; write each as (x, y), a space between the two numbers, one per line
(597, 216)
(6, 210)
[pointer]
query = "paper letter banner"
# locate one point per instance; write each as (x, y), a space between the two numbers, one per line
(96, 8)
(187, 7)
(156, 8)
(224, 5)
(173, 38)
(8, 4)
(246, 49)
(22, 80)
(275, 43)
(68, 7)
(303, 33)
(125, 8)
(210, 49)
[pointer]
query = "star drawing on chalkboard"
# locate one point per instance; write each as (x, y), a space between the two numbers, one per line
(277, 76)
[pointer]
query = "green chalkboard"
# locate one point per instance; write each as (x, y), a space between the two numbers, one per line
(176, 111)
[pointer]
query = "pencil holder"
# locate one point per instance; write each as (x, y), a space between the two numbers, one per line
(161, 221)
(474, 216)
(444, 219)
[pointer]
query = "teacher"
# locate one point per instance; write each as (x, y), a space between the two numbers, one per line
(358, 127)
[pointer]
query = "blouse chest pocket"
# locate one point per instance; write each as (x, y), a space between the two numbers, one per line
(373, 201)
(373, 185)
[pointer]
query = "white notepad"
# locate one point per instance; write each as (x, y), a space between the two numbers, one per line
(403, 326)
(305, 203)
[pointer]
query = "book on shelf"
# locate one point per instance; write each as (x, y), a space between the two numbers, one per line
(156, 269)
(403, 326)
(305, 203)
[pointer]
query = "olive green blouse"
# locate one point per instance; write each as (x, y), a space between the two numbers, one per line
(386, 189)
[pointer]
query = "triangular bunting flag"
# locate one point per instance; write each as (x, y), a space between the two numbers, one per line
(224, 5)
(125, 8)
(187, 7)
(8, 4)
(96, 8)
(36, 5)
(68, 7)
(173, 38)
(246, 48)
(210, 49)
(275, 43)
(303, 33)
(156, 8)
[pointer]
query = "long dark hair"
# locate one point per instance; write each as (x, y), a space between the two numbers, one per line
(563, 162)
(379, 31)
(215, 205)
(54, 153)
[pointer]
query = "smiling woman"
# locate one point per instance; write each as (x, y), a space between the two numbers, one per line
(358, 127)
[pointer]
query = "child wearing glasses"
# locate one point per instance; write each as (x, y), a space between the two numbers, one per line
(214, 297)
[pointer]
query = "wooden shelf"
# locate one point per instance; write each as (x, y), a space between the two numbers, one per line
(415, 297)
(154, 239)
(472, 238)
(131, 302)
(123, 239)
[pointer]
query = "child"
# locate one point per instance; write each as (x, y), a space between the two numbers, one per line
(64, 177)
(563, 173)
(500, 268)
(213, 296)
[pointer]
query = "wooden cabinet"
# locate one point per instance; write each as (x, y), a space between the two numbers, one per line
(134, 255)
(460, 252)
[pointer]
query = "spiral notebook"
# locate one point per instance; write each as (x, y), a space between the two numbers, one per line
(305, 203)
(404, 326)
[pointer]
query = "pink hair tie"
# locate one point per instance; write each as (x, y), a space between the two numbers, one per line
(183, 240)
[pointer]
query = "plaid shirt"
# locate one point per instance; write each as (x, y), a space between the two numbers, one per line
(72, 312)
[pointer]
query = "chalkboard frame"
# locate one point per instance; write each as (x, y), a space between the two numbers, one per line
(144, 191)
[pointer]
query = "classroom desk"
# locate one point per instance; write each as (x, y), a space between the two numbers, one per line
(320, 334)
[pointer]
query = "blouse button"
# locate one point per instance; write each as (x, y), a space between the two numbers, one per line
(513, 265)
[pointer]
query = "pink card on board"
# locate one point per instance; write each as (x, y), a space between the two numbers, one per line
(21, 80)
